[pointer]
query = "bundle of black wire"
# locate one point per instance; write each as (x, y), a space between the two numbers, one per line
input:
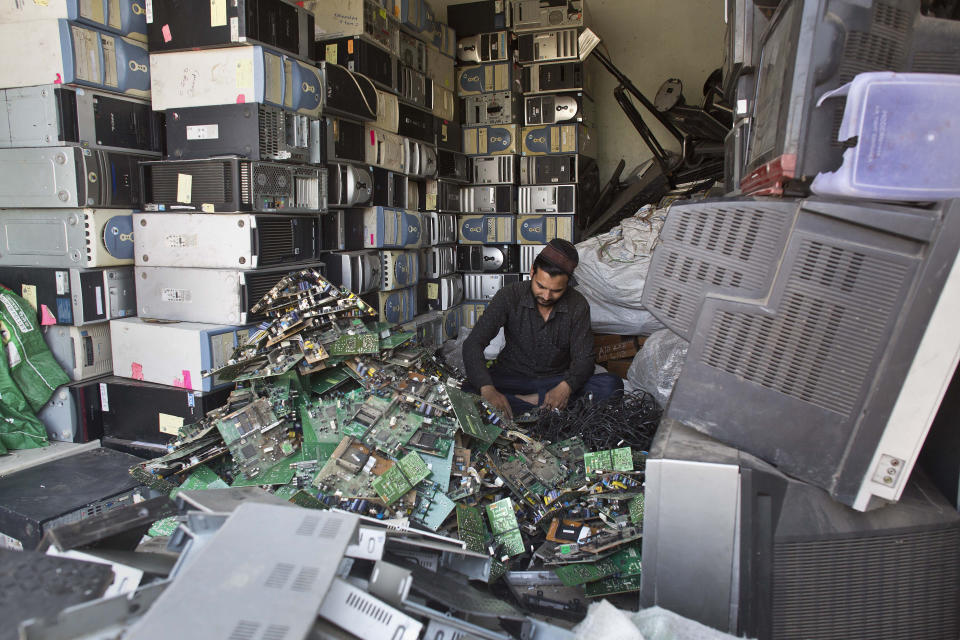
(622, 420)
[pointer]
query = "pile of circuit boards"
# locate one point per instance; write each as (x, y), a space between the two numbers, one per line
(335, 412)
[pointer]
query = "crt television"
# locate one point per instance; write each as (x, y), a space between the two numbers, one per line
(823, 334)
(734, 544)
(814, 46)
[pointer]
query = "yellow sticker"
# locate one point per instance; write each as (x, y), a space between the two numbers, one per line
(331, 55)
(218, 13)
(396, 11)
(244, 74)
(433, 290)
(207, 207)
(170, 424)
(383, 13)
(184, 187)
(29, 293)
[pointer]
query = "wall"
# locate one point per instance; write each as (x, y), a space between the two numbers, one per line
(649, 41)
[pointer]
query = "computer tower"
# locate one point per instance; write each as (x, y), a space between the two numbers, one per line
(556, 169)
(343, 141)
(211, 296)
(52, 115)
(558, 107)
(73, 413)
(497, 258)
(68, 489)
(278, 24)
(342, 230)
(398, 306)
(358, 271)
(82, 352)
(348, 94)
(361, 56)
(441, 294)
(232, 184)
(533, 15)
(547, 46)
(69, 177)
(488, 199)
(555, 139)
(541, 229)
(436, 262)
(448, 196)
(385, 149)
(122, 18)
(442, 227)
(471, 18)
(453, 166)
(387, 228)
(488, 78)
(74, 54)
(500, 107)
(365, 18)
(414, 87)
(253, 131)
(75, 296)
(138, 412)
(413, 52)
(553, 198)
(348, 185)
(416, 123)
(229, 240)
(495, 169)
(485, 47)
(248, 74)
(189, 349)
(398, 269)
(498, 140)
(487, 229)
(65, 238)
(449, 134)
(483, 286)
(544, 77)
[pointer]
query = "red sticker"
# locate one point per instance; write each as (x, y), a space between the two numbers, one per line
(371, 240)
(178, 383)
(241, 99)
(136, 371)
(58, 80)
(373, 138)
(187, 381)
(165, 30)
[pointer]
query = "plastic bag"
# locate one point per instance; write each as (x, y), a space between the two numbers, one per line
(452, 350)
(658, 364)
(612, 271)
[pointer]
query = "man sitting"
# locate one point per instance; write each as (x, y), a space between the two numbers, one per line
(548, 356)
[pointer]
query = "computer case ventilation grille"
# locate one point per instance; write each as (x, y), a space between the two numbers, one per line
(722, 245)
(816, 596)
(836, 307)
(211, 179)
(278, 241)
(269, 126)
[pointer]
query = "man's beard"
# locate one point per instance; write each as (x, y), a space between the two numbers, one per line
(548, 303)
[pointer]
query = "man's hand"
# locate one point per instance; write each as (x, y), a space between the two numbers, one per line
(557, 397)
(496, 400)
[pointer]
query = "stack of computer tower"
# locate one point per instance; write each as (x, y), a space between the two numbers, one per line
(76, 120)
(383, 175)
(235, 202)
(527, 128)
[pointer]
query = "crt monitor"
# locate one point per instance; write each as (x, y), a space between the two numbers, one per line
(814, 46)
(823, 334)
(734, 544)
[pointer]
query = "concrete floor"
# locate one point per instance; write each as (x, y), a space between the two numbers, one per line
(649, 41)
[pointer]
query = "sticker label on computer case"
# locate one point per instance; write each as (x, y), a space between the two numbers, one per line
(104, 400)
(175, 295)
(181, 240)
(203, 132)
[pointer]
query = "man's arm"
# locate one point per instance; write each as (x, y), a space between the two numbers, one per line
(581, 349)
(486, 328)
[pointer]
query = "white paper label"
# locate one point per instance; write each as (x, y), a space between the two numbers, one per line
(175, 295)
(63, 282)
(218, 13)
(181, 241)
(148, 9)
(104, 400)
(184, 187)
(203, 132)
(234, 30)
(98, 293)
